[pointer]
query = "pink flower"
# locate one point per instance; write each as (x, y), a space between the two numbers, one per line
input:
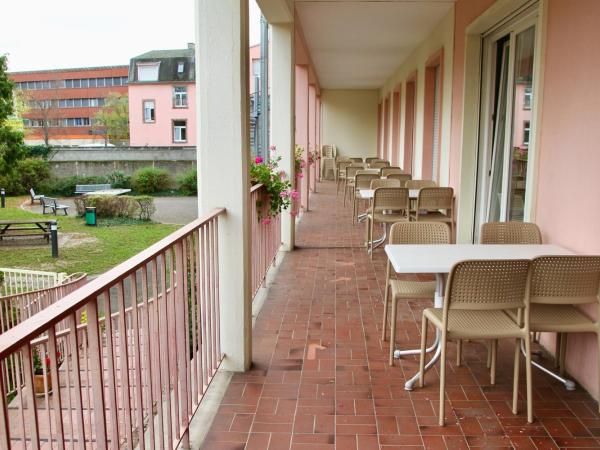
(295, 194)
(284, 194)
(258, 160)
(266, 221)
(300, 175)
(282, 174)
(273, 148)
(302, 163)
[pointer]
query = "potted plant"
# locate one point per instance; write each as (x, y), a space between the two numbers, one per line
(39, 378)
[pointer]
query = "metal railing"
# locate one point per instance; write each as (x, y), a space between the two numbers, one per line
(265, 235)
(14, 281)
(123, 361)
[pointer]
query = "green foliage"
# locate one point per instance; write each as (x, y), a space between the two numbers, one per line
(277, 185)
(65, 187)
(39, 151)
(117, 207)
(188, 182)
(32, 173)
(114, 118)
(145, 207)
(149, 180)
(11, 138)
(118, 180)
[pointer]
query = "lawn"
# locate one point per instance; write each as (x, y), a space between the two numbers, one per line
(101, 247)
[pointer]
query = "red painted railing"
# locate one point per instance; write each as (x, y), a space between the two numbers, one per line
(265, 236)
(124, 360)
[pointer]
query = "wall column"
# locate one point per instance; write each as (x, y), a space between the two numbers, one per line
(222, 115)
(302, 127)
(312, 132)
(282, 113)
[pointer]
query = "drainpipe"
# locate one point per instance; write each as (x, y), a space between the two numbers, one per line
(263, 149)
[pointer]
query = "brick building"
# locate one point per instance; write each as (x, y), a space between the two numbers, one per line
(61, 104)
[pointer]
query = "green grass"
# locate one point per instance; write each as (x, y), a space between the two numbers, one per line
(114, 241)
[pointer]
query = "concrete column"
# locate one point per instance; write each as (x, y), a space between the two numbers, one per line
(302, 126)
(222, 115)
(318, 134)
(282, 112)
(312, 132)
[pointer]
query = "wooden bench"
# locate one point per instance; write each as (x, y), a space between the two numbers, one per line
(25, 228)
(35, 196)
(52, 204)
(88, 188)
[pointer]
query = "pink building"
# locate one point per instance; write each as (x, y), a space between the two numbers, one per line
(162, 95)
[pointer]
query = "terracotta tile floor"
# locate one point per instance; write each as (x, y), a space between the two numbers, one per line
(321, 380)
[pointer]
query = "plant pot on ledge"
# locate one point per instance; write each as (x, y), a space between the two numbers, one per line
(38, 384)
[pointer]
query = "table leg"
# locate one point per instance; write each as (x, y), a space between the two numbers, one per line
(569, 385)
(438, 303)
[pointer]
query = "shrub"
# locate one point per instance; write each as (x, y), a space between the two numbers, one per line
(188, 182)
(145, 207)
(109, 205)
(150, 180)
(32, 172)
(65, 187)
(119, 180)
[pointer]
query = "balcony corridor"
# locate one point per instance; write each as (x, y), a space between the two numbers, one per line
(320, 378)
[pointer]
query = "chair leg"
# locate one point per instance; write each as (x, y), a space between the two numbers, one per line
(393, 330)
(493, 362)
(423, 347)
(515, 401)
(563, 354)
(528, 379)
(489, 355)
(385, 312)
(459, 353)
(371, 247)
(354, 209)
(557, 350)
(441, 420)
(598, 339)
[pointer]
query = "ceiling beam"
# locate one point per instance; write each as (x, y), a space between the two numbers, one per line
(277, 11)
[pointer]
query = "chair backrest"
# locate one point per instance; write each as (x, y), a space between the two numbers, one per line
(402, 177)
(510, 233)
(371, 159)
(357, 159)
(341, 165)
(379, 183)
(352, 169)
(379, 164)
(363, 180)
(488, 285)
(32, 192)
(385, 171)
(419, 233)
(390, 199)
(565, 279)
(328, 151)
(48, 201)
(419, 184)
(435, 198)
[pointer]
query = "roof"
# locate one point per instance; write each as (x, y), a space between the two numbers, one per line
(169, 61)
(73, 69)
(160, 54)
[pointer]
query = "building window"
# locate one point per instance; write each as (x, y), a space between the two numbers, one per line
(149, 111)
(256, 67)
(527, 97)
(180, 97)
(526, 128)
(147, 71)
(180, 131)
(180, 67)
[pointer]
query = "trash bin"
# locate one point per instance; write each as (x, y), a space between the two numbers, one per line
(90, 216)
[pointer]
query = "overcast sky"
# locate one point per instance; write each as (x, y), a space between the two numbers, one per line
(53, 34)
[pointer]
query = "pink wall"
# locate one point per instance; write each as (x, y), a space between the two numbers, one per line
(302, 124)
(160, 132)
(568, 200)
(379, 129)
(409, 125)
(312, 129)
(395, 128)
(386, 129)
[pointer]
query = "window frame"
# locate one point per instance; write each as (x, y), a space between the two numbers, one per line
(185, 104)
(183, 141)
(144, 110)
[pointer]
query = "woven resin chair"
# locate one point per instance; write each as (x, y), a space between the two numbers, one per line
(478, 294)
(357, 160)
(403, 177)
(371, 159)
(510, 233)
(361, 181)
(558, 285)
(379, 164)
(429, 203)
(340, 173)
(349, 179)
(504, 233)
(390, 205)
(328, 155)
(395, 290)
(379, 183)
(419, 184)
(385, 171)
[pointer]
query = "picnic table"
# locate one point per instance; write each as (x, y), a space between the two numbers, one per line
(109, 192)
(26, 228)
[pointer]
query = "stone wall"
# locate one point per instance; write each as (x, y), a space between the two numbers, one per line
(97, 161)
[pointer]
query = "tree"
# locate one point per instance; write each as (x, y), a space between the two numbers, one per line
(113, 118)
(11, 138)
(44, 110)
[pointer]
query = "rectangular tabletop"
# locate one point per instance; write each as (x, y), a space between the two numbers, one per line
(441, 258)
(109, 192)
(369, 193)
(23, 222)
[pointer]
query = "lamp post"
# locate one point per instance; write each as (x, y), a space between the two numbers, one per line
(2, 198)
(54, 238)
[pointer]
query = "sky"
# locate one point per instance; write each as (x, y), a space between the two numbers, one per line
(43, 34)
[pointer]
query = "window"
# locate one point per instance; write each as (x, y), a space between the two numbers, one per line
(526, 129)
(100, 82)
(180, 97)
(147, 71)
(180, 67)
(85, 83)
(256, 67)
(179, 131)
(149, 111)
(527, 97)
(93, 82)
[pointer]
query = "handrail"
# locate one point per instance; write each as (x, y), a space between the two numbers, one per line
(68, 280)
(256, 187)
(12, 339)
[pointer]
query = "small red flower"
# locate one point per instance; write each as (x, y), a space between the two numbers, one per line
(258, 160)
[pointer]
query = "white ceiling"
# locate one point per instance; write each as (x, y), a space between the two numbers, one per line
(358, 44)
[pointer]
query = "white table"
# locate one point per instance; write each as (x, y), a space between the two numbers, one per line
(439, 259)
(109, 192)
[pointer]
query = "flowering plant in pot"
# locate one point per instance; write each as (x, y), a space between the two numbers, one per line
(278, 187)
(313, 157)
(299, 162)
(39, 379)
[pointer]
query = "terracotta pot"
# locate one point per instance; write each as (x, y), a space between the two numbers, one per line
(38, 384)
